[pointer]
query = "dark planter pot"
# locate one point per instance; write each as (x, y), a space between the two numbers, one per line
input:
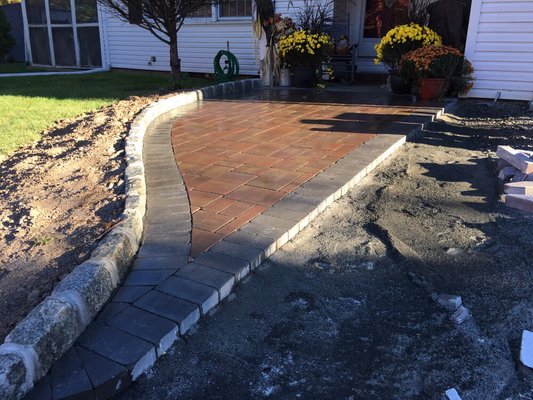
(399, 84)
(304, 77)
(431, 88)
(454, 86)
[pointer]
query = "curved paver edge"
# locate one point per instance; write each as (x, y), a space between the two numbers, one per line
(53, 326)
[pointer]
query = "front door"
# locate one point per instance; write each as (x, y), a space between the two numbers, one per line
(372, 20)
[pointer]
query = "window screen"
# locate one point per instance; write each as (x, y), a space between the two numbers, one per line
(60, 12)
(64, 47)
(40, 48)
(203, 12)
(36, 11)
(89, 39)
(86, 11)
(135, 11)
(236, 8)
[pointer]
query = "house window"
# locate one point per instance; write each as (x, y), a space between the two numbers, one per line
(63, 33)
(36, 12)
(135, 12)
(60, 12)
(86, 11)
(205, 11)
(235, 8)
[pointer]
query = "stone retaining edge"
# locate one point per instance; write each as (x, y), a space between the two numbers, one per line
(53, 326)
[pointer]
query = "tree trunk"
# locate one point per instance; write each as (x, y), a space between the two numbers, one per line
(175, 62)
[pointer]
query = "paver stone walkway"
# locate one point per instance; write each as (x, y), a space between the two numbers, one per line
(239, 157)
(273, 157)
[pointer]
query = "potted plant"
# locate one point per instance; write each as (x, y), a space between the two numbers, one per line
(435, 67)
(462, 80)
(395, 44)
(303, 52)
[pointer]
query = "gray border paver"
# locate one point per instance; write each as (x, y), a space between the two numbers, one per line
(223, 282)
(237, 266)
(183, 312)
(206, 297)
(159, 331)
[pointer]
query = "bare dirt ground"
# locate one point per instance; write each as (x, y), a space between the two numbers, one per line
(58, 197)
(345, 311)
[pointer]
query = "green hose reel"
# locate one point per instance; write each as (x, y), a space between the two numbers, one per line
(230, 69)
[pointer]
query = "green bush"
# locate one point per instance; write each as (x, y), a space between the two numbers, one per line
(7, 42)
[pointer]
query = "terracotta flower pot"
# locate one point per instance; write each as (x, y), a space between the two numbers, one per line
(431, 88)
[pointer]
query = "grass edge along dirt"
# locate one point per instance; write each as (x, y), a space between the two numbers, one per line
(29, 105)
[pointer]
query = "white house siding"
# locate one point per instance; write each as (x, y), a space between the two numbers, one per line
(500, 47)
(199, 40)
(132, 47)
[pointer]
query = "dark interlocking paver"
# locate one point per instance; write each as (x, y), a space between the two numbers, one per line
(168, 227)
(175, 206)
(147, 277)
(176, 218)
(238, 266)
(69, 378)
(276, 228)
(128, 294)
(184, 313)
(160, 262)
(121, 347)
(249, 253)
(109, 312)
(175, 193)
(162, 249)
(265, 244)
(42, 390)
(222, 281)
(295, 202)
(315, 196)
(167, 238)
(107, 377)
(204, 296)
(287, 214)
(157, 330)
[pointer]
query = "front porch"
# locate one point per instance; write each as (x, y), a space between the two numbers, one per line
(357, 20)
(365, 22)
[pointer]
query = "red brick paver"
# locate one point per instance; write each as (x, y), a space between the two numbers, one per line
(240, 157)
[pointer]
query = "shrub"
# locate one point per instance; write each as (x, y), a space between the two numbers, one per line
(7, 42)
(314, 15)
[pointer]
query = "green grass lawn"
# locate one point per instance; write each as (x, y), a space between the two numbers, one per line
(17, 68)
(29, 105)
